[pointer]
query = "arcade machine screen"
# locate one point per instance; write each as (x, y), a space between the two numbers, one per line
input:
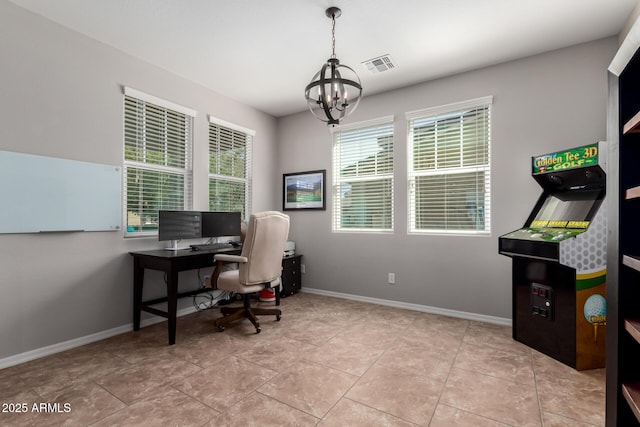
(561, 216)
(568, 207)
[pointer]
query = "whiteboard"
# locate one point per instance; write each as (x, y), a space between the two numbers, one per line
(47, 194)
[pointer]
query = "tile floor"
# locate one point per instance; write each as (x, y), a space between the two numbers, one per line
(328, 362)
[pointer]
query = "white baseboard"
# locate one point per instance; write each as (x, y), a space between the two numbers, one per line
(88, 339)
(416, 307)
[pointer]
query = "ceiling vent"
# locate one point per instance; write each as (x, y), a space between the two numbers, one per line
(380, 64)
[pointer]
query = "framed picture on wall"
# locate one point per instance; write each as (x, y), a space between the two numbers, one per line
(304, 190)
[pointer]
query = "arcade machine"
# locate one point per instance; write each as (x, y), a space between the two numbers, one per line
(559, 260)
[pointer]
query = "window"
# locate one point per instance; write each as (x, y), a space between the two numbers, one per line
(229, 167)
(448, 168)
(363, 176)
(157, 159)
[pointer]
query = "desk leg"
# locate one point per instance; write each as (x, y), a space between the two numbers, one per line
(138, 280)
(172, 303)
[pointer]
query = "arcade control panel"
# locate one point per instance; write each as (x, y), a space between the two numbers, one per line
(541, 301)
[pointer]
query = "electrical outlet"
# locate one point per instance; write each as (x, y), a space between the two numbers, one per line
(303, 268)
(392, 278)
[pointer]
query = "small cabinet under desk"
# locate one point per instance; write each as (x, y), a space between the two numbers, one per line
(291, 275)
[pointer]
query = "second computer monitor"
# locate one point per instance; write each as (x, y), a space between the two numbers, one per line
(216, 224)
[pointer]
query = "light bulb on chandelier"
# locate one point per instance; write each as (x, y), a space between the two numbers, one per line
(335, 90)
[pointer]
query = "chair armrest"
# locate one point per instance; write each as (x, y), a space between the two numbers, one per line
(212, 280)
(220, 260)
(230, 258)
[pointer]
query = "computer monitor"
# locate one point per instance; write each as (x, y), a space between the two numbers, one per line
(217, 224)
(178, 225)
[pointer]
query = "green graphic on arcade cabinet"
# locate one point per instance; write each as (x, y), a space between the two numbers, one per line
(544, 234)
(590, 280)
(574, 158)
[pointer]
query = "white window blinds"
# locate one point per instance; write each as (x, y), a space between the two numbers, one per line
(449, 169)
(363, 176)
(157, 161)
(229, 167)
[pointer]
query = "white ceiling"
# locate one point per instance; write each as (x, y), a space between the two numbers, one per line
(263, 53)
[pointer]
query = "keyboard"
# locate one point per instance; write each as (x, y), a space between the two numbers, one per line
(214, 247)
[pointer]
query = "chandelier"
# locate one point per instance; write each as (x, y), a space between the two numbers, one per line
(335, 90)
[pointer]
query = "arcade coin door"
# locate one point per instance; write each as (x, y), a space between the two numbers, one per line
(559, 260)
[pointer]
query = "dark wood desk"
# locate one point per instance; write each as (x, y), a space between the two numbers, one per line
(171, 262)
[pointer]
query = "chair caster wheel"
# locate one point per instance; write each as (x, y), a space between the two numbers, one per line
(221, 328)
(258, 330)
(278, 318)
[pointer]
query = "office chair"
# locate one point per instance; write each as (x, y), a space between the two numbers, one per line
(260, 265)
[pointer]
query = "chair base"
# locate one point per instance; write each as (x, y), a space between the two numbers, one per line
(231, 314)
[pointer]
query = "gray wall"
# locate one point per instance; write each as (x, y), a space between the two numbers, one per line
(61, 96)
(541, 104)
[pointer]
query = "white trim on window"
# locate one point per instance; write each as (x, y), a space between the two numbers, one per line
(367, 123)
(449, 108)
(134, 93)
(230, 125)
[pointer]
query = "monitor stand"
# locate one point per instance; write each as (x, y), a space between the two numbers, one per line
(173, 246)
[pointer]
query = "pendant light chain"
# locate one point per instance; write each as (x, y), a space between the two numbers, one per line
(333, 36)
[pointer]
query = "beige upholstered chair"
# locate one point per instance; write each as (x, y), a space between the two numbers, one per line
(260, 266)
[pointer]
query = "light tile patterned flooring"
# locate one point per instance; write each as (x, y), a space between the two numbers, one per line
(328, 362)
